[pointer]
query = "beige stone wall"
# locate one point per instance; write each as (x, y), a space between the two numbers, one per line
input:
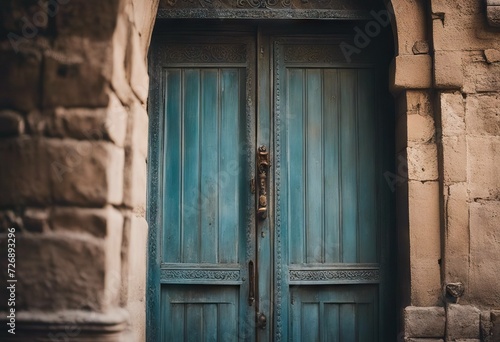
(73, 147)
(464, 127)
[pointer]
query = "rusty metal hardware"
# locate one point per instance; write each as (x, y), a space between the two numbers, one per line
(261, 321)
(251, 285)
(263, 164)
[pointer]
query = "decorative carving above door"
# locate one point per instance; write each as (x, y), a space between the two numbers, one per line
(264, 9)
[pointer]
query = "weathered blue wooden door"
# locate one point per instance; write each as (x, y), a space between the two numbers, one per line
(285, 242)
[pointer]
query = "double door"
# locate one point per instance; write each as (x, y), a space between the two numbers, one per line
(270, 212)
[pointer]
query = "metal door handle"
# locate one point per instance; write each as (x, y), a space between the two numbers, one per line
(263, 164)
(251, 285)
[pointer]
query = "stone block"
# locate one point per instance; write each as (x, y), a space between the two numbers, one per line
(454, 159)
(92, 19)
(448, 73)
(493, 15)
(108, 123)
(74, 268)
(11, 123)
(138, 74)
(121, 63)
(86, 172)
(482, 114)
(24, 175)
(457, 234)
(93, 221)
(483, 167)
(481, 77)
(486, 326)
(422, 162)
(495, 325)
(20, 85)
(418, 102)
(73, 81)
(135, 180)
(425, 242)
(427, 322)
(452, 114)
(492, 55)
(462, 322)
(424, 340)
(137, 131)
(484, 253)
(420, 129)
(411, 72)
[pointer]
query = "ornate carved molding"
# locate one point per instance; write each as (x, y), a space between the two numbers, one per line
(334, 276)
(264, 9)
(201, 53)
(193, 275)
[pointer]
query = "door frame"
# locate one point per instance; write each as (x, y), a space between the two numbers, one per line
(265, 122)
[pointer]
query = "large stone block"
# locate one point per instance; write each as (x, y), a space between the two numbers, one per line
(135, 180)
(108, 123)
(73, 267)
(493, 15)
(20, 85)
(424, 340)
(92, 19)
(138, 74)
(484, 288)
(483, 167)
(422, 162)
(420, 129)
(411, 72)
(462, 322)
(74, 81)
(448, 73)
(481, 77)
(425, 242)
(452, 114)
(24, 175)
(457, 235)
(93, 221)
(424, 322)
(454, 159)
(483, 114)
(495, 325)
(86, 172)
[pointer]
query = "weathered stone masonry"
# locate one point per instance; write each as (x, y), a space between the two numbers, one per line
(73, 146)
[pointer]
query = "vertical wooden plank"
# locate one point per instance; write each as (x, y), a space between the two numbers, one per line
(228, 184)
(349, 167)
(176, 326)
(191, 157)
(347, 322)
(194, 322)
(365, 321)
(367, 186)
(310, 322)
(295, 181)
(209, 165)
(228, 322)
(331, 166)
(331, 323)
(314, 167)
(171, 238)
(210, 323)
